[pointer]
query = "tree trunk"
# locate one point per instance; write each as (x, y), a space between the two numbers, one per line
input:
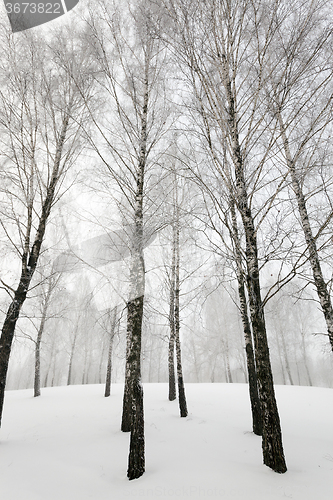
(251, 368)
(37, 361)
(39, 338)
(181, 387)
(109, 365)
(286, 359)
(273, 454)
(84, 366)
(29, 264)
(171, 357)
(227, 364)
(70, 366)
(136, 459)
(305, 358)
(281, 360)
(8, 330)
(171, 366)
(321, 286)
(126, 414)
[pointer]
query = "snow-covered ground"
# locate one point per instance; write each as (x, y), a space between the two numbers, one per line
(66, 445)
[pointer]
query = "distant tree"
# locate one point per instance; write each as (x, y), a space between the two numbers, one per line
(51, 284)
(112, 318)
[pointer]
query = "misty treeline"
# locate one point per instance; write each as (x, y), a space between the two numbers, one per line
(166, 202)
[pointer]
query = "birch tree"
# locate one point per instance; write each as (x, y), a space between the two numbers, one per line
(47, 293)
(111, 323)
(41, 113)
(222, 49)
(299, 92)
(174, 314)
(132, 62)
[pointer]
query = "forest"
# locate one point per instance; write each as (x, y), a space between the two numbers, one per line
(166, 203)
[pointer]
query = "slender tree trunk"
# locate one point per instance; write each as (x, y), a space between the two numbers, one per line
(298, 372)
(37, 363)
(286, 359)
(273, 454)
(171, 357)
(70, 366)
(171, 366)
(46, 376)
(109, 365)
(305, 358)
(29, 264)
(84, 368)
(181, 386)
(321, 286)
(251, 368)
(281, 360)
(227, 362)
(39, 338)
(8, 330)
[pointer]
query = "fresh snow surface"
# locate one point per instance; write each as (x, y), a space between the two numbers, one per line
(66, 445)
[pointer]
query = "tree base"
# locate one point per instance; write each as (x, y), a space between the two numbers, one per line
(135, 473)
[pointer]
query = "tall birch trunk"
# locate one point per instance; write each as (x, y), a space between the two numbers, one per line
(136, 458)
(273, 454)
(251, 367)
(321, 286)
(181, 386)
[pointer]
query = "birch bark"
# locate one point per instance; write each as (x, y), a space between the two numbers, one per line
(39, 339)
(273, 454)
(29, 264)
(136, 460)
(181, 386)
(109, 363)
(321, 286)
(251, 367)
(171, 353)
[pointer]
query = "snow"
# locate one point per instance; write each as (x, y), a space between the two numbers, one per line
(67, 445)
